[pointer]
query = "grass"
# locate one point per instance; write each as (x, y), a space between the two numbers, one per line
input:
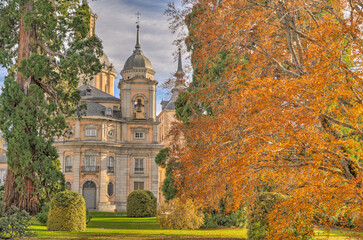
(104, 214)
(114, 226)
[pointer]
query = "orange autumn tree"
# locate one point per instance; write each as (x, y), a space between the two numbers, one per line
(285, 114)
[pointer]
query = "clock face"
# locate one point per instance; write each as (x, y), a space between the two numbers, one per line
(110, 133)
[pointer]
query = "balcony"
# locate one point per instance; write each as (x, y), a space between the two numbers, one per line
(90, 169)
(68, 169)
(110, 169)
(139, 170)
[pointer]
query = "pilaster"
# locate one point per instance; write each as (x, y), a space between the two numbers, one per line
(122, 180)
(103, 177)
(124, 132)
(77, 130)
(76, 172)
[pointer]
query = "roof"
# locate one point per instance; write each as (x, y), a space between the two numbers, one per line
(91, 93)
(94, 109)
(137, 60)
(170, 105)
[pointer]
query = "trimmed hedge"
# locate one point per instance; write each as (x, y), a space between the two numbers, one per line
(141, 203)
(67, 212)
(257, 220)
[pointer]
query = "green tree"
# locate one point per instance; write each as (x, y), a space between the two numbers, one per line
(45, 46)
(163, 160)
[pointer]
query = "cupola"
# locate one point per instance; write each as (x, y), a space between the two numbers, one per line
(137, 65)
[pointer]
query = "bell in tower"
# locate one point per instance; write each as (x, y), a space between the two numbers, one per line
(137, 86)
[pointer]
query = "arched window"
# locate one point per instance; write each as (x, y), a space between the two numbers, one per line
(68, 164)
(69, 186)
(111, 164)
(110, 189)
(139, 103)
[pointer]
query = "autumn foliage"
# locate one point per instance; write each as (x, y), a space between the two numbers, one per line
(178, 214)
(276, 103)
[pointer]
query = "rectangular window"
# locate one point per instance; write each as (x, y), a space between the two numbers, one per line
(90, 132)
(90, 164)
(138, 185)
(110, 165)
(90, 160)
(139, 166)
(139, 135)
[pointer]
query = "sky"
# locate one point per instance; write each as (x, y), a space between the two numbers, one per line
(116, 27)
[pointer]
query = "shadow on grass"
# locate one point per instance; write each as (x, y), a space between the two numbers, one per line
(123, 223)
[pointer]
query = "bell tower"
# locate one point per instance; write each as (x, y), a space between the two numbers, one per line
(137, 86)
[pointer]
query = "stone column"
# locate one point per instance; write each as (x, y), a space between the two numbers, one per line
(151, 101)
(103, 200)
(124, 132)
(122, 180)
(77, 130)
(155, 133)
(76, 164)
(125, 100)
(61, 159)
(118, 132)
(154, 175)
(104, 134)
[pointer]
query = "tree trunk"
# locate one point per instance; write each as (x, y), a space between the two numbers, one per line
(26, 200)
(24, 49)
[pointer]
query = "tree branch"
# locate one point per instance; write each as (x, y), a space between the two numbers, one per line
(263, 51)
(356, 130)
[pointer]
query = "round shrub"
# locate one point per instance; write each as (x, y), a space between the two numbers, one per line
(141, 203)
(67, 212)
(178, 214)
(153, 198)
(257, 220)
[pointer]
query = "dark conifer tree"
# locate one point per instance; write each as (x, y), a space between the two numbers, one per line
(45, 46)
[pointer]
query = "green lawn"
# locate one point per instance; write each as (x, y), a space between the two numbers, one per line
(116, 226)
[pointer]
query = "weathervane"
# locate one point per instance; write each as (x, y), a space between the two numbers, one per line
(138, 14)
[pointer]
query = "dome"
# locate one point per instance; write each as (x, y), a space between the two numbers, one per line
(137, 60)
(104, 60)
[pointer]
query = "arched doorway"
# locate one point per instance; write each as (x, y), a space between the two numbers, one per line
(89, 194)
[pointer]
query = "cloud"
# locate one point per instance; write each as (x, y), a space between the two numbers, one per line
(3, 73)
(116, 26)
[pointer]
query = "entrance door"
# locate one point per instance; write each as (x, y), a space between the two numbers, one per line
(89, 194)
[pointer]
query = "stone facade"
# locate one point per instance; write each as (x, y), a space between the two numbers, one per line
(112, 149)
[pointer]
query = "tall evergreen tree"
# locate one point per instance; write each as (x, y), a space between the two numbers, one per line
(44, 44)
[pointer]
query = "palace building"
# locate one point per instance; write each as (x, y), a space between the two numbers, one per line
(112, 149)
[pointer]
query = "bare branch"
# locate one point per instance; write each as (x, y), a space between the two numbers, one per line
(263, 51)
